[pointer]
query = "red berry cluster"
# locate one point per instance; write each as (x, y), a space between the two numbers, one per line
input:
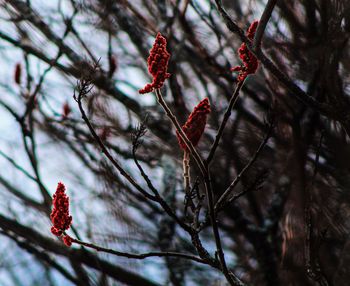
(195, 124)
(250, 62)
(60, 217)
(157, 64)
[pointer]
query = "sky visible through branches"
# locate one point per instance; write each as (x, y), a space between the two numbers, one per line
(257, 193)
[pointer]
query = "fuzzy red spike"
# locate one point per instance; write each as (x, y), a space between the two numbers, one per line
(60, 218)
(250, 62)
(157, 64)
(195, 124)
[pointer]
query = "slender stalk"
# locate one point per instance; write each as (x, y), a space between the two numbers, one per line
(265, 17)
(182, 134)
(221, 201)
(227, 115)
(139, 256)
(104, 150)
(186, 168)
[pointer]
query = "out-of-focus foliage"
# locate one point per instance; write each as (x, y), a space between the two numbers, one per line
(291, 227)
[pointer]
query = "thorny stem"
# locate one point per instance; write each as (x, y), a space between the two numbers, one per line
(230, 277)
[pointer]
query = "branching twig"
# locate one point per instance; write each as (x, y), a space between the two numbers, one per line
(223, 199)
(136, 142)
(256, 185)
(231, 278)
(84, 87)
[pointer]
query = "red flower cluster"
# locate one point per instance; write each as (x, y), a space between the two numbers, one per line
(195, 124)
(157, 64)
(60, 217)
(250, 62)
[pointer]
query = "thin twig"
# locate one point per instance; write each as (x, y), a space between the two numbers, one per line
(227, 115)
(182, 134)
(254, 186)
(139, 256)
(186, 172)
(83, 90)
(313, 269)
(265, 17)
(141, 130)
(221, 201)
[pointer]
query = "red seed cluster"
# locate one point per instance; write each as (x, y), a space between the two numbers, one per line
(250, 62)
(18, 73)
(60, 217)
(195, 124)
(157, 64)
(67, 240)
(66, 110)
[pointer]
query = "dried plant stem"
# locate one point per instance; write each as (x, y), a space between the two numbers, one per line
(139, 256)
(186, 168)
(227, 115)
(223, 200)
